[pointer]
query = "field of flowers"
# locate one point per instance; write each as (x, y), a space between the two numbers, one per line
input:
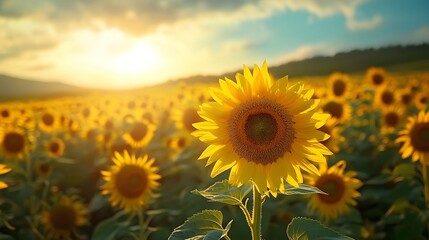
(125, 166)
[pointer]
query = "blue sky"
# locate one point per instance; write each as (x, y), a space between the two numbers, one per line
(136, 43)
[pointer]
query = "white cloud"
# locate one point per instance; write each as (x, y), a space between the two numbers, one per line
(327, 8)
(304, 52)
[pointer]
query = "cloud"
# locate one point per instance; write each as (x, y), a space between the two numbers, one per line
(48, 39)
(304, 52)
(21, 36)
(327, 8)
(142, 16)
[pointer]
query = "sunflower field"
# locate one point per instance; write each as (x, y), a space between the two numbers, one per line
(345, 154)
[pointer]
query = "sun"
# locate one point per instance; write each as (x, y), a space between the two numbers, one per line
(142, 58)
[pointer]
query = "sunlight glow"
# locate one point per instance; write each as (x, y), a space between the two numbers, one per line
(140, 59)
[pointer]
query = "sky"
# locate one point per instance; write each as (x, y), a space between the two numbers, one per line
(113, 44)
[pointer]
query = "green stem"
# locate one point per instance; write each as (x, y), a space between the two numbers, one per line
(226, 237)
(141, 223)
(256, 215)
(425, 180)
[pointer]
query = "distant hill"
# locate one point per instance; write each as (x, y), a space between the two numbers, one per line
(393, 58)
(412, 57)
(12, 88)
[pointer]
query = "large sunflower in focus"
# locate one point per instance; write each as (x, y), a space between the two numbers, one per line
(263, 130)
(415, 138)
(130, 182)
(63, 218)
(340, 188)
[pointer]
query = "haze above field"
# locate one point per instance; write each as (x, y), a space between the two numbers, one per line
(110, 44)
(394, 59)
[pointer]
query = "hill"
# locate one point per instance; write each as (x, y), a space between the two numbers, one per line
(12, 88)
(395, 58)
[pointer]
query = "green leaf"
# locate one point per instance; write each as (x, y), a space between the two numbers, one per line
(302, 189)
(107, 229)
(205, 225)
(224, 192)
(405, 170)
(301, 228)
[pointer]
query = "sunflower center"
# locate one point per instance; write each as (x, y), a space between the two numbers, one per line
(63, 217)
(261, 128)
(261, 131)
(387, 97)
(406, 98)
(420, 136)
(54, 147)
(339, 88)
(333, 185)
(5, 113)
(181, 142)
(334, 108)
(190, 116)
(131, 181)
(48, 119)
(44, 168)
(139, 131)
(377, 79)
(13, 142)
(423, 100)
(391, 119)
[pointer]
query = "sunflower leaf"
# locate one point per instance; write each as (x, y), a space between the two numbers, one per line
(224, 192)
(301, 228)
(302, 189)
(108, 229)
(205, 225)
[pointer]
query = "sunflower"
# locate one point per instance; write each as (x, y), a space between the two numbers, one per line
(43, 169)
(340, 188)
(63, 218)
(177, 143)
(385, 97)
(4, 170)
(332, 130)
(376, 77)
(405, 96)
(340, 110)
(48, 120)
(187, 115)
(415, 138)
(14, 143)
(130, 182)
(391, 119)
(139, 134)
(55, 147)
(263, 130)
(421, 100)
(7, 114)
(339, 85)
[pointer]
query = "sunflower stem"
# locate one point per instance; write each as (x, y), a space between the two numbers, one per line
(255, 226)
(425, 180)
(141, 223)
